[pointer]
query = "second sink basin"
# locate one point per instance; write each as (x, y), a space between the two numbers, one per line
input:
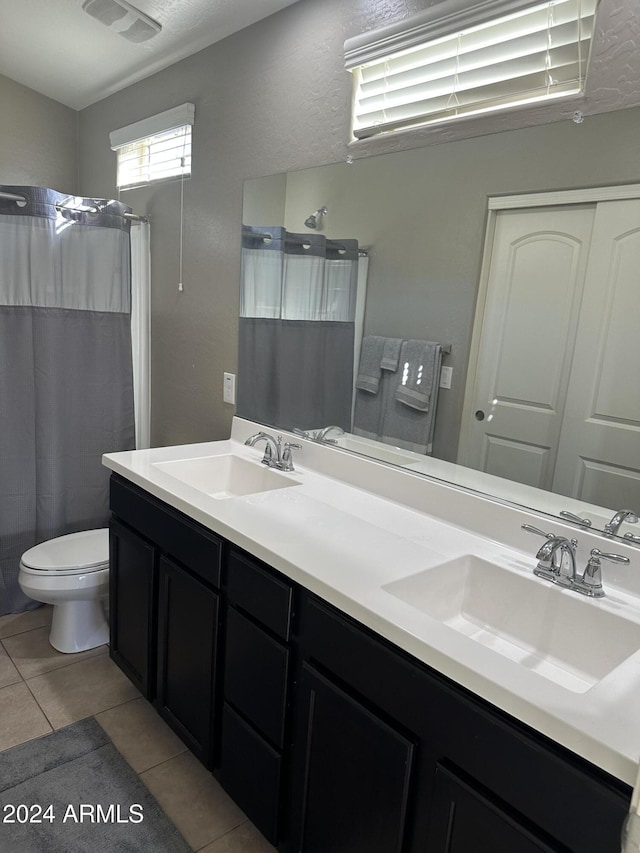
(226, 476)
(560, 635)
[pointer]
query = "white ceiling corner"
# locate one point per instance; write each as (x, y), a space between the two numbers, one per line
(55, 48)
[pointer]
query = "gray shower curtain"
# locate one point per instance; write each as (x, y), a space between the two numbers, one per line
(297, 329)
(66, 387)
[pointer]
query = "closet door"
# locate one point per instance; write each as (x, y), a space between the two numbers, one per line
(599, 451)
(536, 278)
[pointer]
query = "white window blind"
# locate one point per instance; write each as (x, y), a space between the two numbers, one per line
(154, 149)
(531, 54)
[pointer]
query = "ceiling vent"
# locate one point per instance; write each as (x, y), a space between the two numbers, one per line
(125, 19)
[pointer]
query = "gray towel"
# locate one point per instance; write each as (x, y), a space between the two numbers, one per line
(407, 425)
(368, 411)
(391, 354)
(368, 378)
(420, 371)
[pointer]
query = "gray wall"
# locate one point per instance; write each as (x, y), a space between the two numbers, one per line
(271, 98)
(39, 140)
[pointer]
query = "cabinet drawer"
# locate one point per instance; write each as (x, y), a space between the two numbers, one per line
(192, 545)
(255, 680)
(250, 773)
(261, 594)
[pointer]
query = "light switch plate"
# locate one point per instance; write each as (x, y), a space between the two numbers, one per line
(445, 377)
(229, 388)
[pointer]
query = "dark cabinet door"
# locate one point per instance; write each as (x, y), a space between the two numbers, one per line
(351, 786)
(464, 820)
(187, 635)
(132, 606)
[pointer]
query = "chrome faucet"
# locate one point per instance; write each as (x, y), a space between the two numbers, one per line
(562, 569)
(321, 434)
(628, 515)
(275, 454)
(557, 563)
(556, 557)
(271, 450)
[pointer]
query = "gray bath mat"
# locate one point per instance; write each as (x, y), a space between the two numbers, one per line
(72, 792)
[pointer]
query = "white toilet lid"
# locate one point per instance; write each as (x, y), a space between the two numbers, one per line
(86, 550)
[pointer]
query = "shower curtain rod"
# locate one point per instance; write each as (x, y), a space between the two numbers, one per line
(133, 217)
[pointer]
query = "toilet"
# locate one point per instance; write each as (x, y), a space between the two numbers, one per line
(72, 573)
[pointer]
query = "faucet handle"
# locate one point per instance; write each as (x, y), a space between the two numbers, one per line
(576, 519)
(287, 460)
(531, 529)
(591, 581)
(597, 554)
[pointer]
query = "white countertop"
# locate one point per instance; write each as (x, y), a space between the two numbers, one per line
(351, 526)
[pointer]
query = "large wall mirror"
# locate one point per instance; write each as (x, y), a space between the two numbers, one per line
(420, 219)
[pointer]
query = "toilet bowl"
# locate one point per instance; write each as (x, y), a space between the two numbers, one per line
(72, 573)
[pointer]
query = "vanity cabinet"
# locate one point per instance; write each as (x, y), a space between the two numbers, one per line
(465, 776)
(329, 737)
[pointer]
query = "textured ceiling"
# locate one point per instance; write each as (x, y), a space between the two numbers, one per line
(54, 47)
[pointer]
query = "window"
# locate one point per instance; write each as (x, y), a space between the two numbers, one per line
(154, 149)
(451, 62)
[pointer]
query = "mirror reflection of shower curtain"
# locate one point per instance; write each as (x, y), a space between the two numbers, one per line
(65, 369)
(296, 337)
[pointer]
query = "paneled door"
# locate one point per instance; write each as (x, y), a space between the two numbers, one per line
(536, 278)
(556, 402)
(599, 450)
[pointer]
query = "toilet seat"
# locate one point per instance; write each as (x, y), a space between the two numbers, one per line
(73, 554)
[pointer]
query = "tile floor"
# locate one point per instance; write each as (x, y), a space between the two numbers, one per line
(42, 690)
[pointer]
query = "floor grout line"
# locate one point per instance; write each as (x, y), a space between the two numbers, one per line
(224, 835)
(62, 666)
(35, 699)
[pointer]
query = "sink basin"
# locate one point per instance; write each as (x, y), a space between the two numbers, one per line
(226, 476)
(557, 634)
